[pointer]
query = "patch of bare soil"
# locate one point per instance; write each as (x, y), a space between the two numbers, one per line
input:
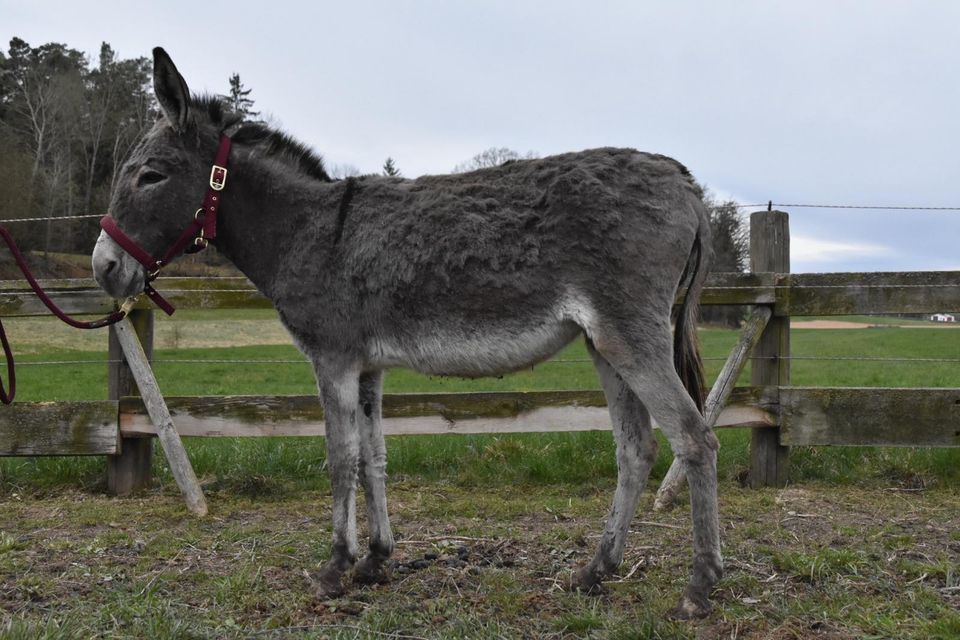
(828, 324)
(33, 335)
(844, 324)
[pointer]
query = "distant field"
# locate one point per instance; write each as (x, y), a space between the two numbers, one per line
(208, 353)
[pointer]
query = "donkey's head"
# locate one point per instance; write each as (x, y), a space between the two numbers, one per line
(161, 184)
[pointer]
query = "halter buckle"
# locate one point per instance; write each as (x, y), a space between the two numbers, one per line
(218, 177)
(201, 242)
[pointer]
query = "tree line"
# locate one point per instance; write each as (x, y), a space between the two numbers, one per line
(65, 129)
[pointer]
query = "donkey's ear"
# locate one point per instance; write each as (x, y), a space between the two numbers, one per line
(171, 89)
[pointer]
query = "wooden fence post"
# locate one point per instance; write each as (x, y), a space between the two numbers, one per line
(156, 406)
(129, 471)
(770, 252)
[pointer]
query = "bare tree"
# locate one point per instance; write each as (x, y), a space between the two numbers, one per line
(492, 157)
(731, 252)
(40, 82)
(75, 126)
(341, 170)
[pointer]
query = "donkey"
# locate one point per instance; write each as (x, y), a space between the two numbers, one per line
(473, 274)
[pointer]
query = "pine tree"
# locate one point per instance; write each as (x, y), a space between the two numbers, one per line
(238, 99)
(390, 168)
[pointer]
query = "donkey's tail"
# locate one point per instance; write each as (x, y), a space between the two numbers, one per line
(686, 345)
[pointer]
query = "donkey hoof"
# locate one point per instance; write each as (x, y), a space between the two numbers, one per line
(664, 503)
(328, 583)
(585, 580)
(371, 570)
(691, 607)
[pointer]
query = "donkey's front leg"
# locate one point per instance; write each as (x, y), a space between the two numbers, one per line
(373, 464)
(338, 390)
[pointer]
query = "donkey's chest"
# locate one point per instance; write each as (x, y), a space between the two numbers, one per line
(494, 350)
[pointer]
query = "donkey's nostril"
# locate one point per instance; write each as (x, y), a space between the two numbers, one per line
(110, 267)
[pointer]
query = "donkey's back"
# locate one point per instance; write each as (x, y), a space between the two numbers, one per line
(494, 270)
(519, 226)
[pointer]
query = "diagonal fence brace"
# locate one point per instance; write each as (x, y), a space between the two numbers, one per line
(160, 415)
(719, 394)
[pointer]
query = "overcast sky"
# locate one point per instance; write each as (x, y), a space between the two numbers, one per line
(824, 102)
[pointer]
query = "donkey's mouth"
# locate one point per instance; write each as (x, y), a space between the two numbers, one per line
(115, 271)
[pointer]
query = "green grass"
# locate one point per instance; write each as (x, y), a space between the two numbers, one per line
(274, 465)
(204, 373)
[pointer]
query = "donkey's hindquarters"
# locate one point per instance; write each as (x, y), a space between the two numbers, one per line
(631, 358)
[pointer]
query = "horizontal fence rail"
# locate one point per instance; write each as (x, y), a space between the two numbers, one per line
(96, 428)
(812, 294)
(411, 414)
(60, 428)
(805, 415)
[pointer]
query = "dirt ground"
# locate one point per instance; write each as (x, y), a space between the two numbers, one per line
(827, 562)
(31, 335)
(844, 324)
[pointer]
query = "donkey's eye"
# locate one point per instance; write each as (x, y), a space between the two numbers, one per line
(149, 176)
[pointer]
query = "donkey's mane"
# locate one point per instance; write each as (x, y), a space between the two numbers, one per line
(273, 142)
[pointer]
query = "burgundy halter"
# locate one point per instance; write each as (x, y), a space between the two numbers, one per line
(198, 234)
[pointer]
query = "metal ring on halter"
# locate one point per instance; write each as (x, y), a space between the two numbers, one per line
(152, 275)
(200, 241)
(128, 304)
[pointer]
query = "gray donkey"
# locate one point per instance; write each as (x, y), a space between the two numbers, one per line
(475, 274)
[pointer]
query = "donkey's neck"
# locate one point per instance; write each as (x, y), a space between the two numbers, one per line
(267, 208)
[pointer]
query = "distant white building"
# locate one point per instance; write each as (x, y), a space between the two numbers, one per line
(942, 317)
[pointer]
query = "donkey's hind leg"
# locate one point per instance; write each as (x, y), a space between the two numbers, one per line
(373, 464)
(644, 362)
(636, 453)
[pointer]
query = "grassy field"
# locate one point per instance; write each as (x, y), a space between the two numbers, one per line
(864, 543)
(78, 372)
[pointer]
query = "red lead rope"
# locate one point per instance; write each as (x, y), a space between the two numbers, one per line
(7, 396)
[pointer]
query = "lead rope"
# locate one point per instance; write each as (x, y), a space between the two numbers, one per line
(115, 317)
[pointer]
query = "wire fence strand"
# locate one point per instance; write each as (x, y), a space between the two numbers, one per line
(864, 207)
(564, 361)
(48, 218)
(755, 205)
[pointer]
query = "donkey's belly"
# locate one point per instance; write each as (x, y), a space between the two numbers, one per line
(474, 354)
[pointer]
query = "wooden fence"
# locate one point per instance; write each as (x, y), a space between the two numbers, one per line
(779, 414)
